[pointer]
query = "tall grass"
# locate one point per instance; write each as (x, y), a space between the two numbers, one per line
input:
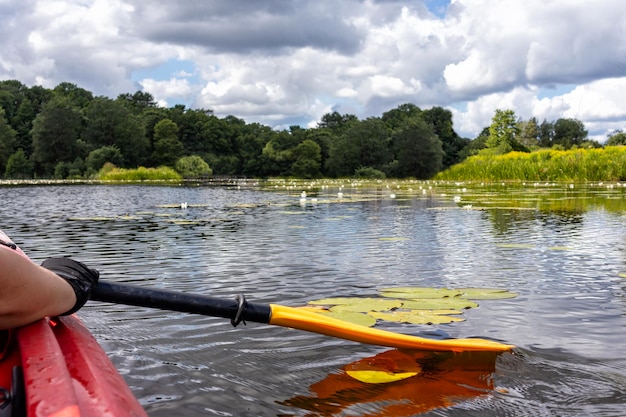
(579, 165)
(138, 174)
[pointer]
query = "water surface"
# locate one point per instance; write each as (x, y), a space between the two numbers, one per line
(565, 254)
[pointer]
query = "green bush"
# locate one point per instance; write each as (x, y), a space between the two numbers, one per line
(193, 167)
(369, 173)
(139, 174)
(19, 166)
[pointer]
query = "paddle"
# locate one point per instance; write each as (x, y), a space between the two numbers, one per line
(239, 309)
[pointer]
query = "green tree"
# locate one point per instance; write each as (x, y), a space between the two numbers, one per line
(440, 120)
(529, 133)
(569, 132)
(503, 132)
(55, 133)
(18, 166)
(193, 167)
(336, 122)
(364, 144)
(546, 134)
(78, 96)
(396, 118)
(73, 169)
(308, 157)
(167, 147)
(23, 122)
(7, 141)
(110, 123)
(250, 144)
(324, 138)
(138, 102)
(616, 138)
(98, 157)
(419, 151)
(473, 147)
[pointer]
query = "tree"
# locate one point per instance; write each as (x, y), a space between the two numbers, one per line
(616, 138)
(18, 166)
(109, 123)
(396, 118)
(473, 147)
(546, 134)
(336, 122)
(308, 157)
(503, 132)
(23, 122)
(98, 157)
(7, 141)
(138, 102)
(364, 144)
(78, 96)
(529, 133)
(440, 120)
(167, 147)
(193, 167)
(55, 133)
(569, 132)
(419, 151)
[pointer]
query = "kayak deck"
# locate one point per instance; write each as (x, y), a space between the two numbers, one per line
(66, 372)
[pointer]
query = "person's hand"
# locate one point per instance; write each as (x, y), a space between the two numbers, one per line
(81, 278)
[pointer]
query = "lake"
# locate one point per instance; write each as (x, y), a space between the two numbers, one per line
(560, 247)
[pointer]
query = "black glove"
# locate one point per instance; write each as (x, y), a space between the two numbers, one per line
(81, 278)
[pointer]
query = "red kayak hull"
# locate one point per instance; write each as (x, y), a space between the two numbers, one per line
(66, 372)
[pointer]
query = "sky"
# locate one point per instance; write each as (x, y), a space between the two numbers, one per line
(289, 62)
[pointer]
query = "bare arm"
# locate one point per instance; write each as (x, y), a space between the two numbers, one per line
(29, 292)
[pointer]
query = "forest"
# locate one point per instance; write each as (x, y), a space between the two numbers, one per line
(67, 132)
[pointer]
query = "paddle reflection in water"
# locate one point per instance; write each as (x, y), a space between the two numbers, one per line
(398, 383)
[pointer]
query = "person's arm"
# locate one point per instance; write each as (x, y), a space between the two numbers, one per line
(29, 292)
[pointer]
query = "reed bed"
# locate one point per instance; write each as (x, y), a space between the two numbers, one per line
(579, 165)
(140, 174)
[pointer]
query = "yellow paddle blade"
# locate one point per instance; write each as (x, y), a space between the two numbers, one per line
(306, 320)
(379, 377)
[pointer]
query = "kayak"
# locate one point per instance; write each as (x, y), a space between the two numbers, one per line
(54, 367)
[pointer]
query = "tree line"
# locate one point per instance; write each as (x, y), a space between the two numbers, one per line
(67, 132)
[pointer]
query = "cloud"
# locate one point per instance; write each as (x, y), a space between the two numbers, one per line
(280, 62)
(245, 27)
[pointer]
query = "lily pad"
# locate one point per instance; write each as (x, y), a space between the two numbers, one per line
(415, 316)
(486, 293)
(455, 303)
(419, 292)
(364, 305)
(515, 245)
(379, 377)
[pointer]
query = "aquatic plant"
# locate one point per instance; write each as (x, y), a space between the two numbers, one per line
(578, 165)
(139, 174)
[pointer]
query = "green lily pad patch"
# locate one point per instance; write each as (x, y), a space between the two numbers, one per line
(415, 316)
(414, 305)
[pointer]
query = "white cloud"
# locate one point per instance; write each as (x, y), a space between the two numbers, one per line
(276, 62)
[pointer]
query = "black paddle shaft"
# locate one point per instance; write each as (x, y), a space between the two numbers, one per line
(236, 310)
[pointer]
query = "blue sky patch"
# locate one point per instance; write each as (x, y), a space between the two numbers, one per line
(438, 7)
(172, 68)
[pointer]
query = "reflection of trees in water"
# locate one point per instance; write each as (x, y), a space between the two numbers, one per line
(505, 220)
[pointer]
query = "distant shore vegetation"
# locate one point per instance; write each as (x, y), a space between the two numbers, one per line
(68, 133)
